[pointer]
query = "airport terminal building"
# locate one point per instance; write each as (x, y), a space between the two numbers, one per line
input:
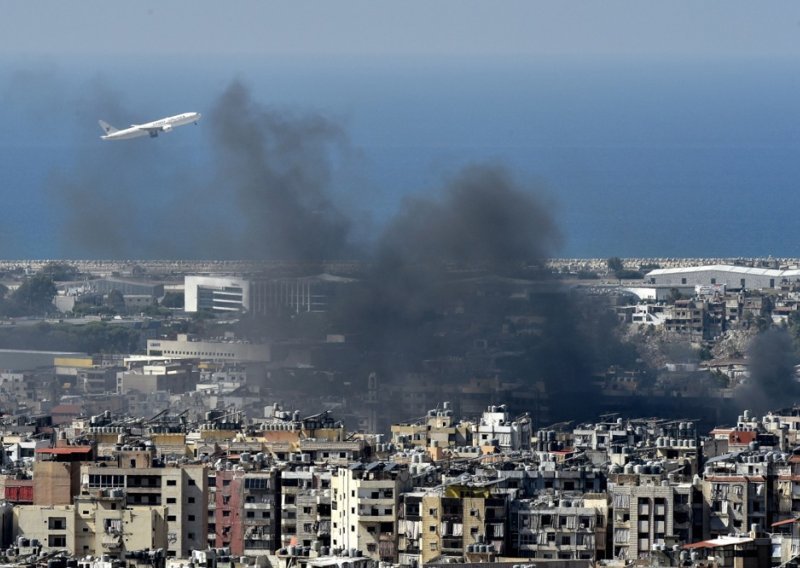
(234, 294)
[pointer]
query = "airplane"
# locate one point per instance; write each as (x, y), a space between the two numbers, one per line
(149, 128)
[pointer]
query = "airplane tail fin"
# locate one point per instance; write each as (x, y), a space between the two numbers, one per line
(107, 128)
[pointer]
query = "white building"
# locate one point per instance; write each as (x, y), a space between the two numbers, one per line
(216, 293)
(732, 277)
(498, 428)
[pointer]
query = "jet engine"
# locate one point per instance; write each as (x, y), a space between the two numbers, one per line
(166, 128)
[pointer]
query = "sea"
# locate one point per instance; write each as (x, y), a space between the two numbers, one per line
(635, 157)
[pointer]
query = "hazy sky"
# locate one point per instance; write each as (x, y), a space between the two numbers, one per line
(447, 27)
(620, 112)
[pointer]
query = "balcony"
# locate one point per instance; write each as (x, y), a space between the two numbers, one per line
(111, 542)
(452, 544)
(382, 502)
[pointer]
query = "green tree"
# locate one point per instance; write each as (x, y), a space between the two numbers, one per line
(115, 300)
(615, 264)
(59, 271)
(172, 300)
(35, 295)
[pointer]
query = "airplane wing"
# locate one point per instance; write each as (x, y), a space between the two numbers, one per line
(154, 131)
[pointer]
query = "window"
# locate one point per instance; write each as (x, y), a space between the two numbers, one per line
(250, 514)
(170, 518)
(683, 280)
(171, 482)
(57, 523)
(192, 483)
(433, 512)
(191, 518)
(57, 541)
(100, 481)
(226, 513)
(171, 500)
(259, 483)
(190, 500)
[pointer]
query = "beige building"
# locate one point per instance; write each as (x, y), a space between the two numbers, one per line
(364, 507)
(438, 427)
(455, 518)
(226, 350)
(183, 491)
(93, 526)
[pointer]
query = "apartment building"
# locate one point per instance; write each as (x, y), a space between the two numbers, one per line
(647, 510)
(144, 482)
(305, 507)
(364, 507)
(451, 520)
(101, 525)
(439, 426)
(262, 512)
(548, 528)
(498, 428)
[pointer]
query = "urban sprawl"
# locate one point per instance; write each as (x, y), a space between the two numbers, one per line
(612, 412)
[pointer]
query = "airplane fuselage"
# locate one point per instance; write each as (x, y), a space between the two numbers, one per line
(151, 129)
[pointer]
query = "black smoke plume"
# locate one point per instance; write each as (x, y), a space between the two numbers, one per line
(461, 265)
(278, 168)
(772, 384)
(480, 223)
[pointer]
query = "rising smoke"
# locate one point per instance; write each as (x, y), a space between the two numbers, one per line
(771, 362)
(430, 282)
(480, 223)
(278, 167)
